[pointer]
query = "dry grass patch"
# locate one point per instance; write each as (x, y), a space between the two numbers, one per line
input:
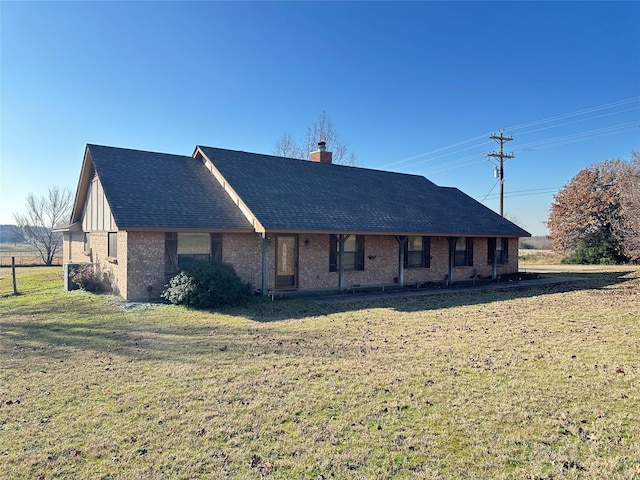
(537, 382)
(538, 257)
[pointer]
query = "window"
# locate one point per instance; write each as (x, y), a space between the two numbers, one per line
(182, 249)
(193, 247)
(500, 248)
(463, 252)
(417, 254)
(87, 243)
(112, 244)
(216, 246)
(170, 252)
(353, 256)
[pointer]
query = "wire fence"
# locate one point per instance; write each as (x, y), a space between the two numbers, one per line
(24, 259)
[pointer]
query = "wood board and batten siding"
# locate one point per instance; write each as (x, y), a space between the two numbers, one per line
(97, 212)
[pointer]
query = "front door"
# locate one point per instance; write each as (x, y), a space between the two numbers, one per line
(286, 262)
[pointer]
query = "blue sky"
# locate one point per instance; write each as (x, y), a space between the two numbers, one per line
(411, 87)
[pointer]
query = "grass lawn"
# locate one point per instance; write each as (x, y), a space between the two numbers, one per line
(527, 383)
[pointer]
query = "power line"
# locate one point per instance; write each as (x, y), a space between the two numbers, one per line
(485, 197)
(530, 194)
(579, 121)
(442, 151)
(452, 153)
(523, 193)
(420, 155)
(576, 113)
(541, 144)
(578, 137)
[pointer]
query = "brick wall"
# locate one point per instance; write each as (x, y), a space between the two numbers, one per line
(145, 270)
(481, 267)
(145, 275)
(138, 272)
(73, 252)
(381, 269)
(514, 256)
(114, 270)
(439, 267)
(313, 263)
(244, 252)
(381, 263)
(118, 266)
(73, 248)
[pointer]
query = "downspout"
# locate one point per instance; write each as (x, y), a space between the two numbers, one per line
(402, 242)
(264, 243)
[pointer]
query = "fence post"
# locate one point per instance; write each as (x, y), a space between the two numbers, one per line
(13, 275)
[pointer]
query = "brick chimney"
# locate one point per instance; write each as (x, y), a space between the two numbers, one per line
(321, 155)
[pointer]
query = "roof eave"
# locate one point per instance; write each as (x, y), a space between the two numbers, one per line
(285, 231)
(185, 229)
(72, 227)
(83, 185)
(233, 195)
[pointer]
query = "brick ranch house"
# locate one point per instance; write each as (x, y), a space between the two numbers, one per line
(284, 224)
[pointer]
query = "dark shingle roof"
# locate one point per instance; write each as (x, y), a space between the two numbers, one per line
(289, 194)
(154, 190)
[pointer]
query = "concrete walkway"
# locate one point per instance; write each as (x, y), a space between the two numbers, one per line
(573, 268)
(358, 297)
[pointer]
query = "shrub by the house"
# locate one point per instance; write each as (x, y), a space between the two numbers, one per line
(90, 279)
(206, 285)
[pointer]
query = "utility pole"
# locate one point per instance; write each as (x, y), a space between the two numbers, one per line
(501, 156)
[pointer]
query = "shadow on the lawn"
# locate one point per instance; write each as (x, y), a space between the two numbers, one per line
(105, 328)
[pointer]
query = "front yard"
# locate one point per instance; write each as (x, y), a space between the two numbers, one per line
(532, 382)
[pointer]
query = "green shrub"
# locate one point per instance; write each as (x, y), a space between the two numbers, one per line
(595, 252)
(180, 289)
(206, 285)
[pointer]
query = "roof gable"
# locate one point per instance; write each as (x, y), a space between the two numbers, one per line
(159, 190)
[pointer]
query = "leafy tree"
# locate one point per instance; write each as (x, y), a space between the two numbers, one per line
(321, 130)
(630, 209)
(595, 215)
(43, 213)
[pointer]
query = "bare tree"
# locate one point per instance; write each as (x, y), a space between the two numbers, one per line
(287, 147)
(321, 130)
(43, 213)
(515, 219)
